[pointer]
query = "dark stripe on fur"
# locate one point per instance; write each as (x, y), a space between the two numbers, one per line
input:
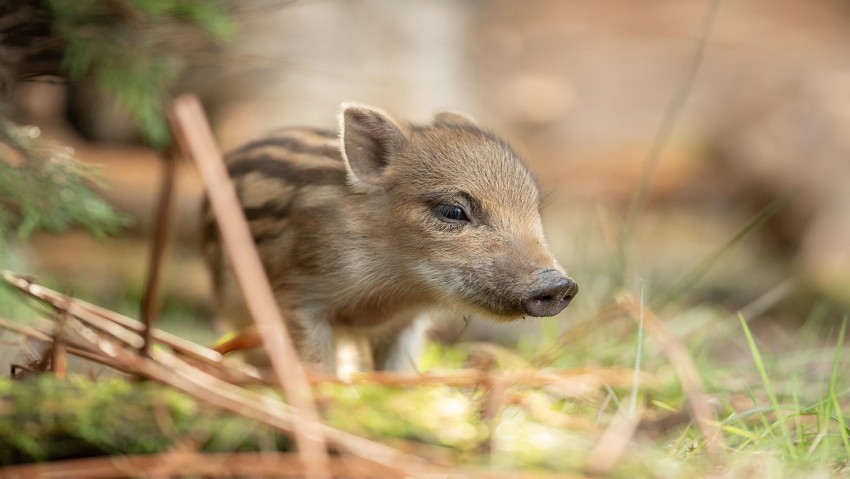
(326, 133)
(271, 209)
(274, 168)
(209, 231)
(292, 145)
(262, 238)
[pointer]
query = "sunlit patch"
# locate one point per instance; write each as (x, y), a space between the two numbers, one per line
(518, 439)
(353, 355)
(454, 406)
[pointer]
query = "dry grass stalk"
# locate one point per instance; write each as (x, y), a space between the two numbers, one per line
(49, 337)
(680, 359)
(90, 313)
(97, 358)
(613, 442)
(60, 301)
(196, 140)
(165, 211)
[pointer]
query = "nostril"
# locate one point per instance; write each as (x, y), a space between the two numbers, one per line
(551, 298)
(571, 290)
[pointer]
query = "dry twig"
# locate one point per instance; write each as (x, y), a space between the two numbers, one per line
(196, 140)
(95, 315)
(164, 213)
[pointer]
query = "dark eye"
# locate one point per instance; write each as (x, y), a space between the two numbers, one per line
(452, 212)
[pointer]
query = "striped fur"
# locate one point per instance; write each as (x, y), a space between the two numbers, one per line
(349, 229)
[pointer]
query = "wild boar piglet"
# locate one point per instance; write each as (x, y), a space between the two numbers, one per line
(367, 231)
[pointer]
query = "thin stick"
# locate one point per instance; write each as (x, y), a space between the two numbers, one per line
(196, 139)
(165, 210)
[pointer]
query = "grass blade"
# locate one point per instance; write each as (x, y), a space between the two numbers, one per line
(671, 115)
(665, 132)
(833, 379)
(704, 266)
(636, 380)
(768, 387)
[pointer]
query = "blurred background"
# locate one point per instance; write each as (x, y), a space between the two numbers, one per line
(584, 90)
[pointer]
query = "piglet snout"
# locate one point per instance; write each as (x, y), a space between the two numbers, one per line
(549, 294)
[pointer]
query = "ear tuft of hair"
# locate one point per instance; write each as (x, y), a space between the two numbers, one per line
(370, 138)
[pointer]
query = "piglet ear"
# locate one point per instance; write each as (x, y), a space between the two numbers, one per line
(370, 139)
(453, 118)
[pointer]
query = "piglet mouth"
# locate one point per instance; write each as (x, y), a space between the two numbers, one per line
(549, 294)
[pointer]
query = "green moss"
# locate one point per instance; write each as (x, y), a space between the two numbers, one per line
(43, 419)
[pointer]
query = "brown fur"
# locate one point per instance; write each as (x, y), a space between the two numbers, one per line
(350, 231)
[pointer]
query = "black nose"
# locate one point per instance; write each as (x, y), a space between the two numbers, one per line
(550, 294)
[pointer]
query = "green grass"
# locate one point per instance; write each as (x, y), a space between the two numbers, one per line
(780, 403)
(780, 400)
(833, 391)
(792, 426)
(787, 438)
